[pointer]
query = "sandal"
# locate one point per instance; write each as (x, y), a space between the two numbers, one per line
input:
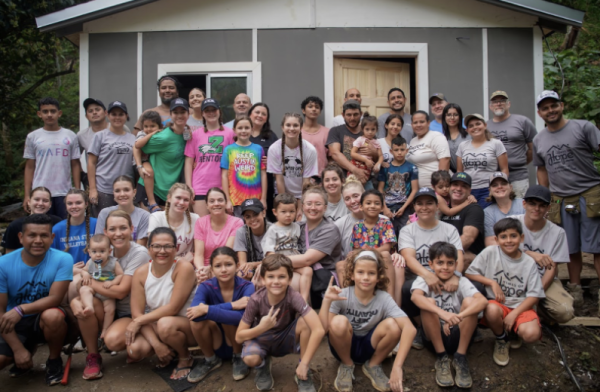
(154, 208)
(178, 369)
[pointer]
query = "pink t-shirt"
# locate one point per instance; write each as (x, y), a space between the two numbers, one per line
(214, 239)
(207, 148)
(318, 140)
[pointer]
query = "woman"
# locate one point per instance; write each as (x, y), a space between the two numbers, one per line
(452, 125)
(503, 204)
(203, 154)
(265, 137)
(177, 216)
(131, 256)
(213, 231)
(110, 156)
(394, 125)
(39, 203)
(248, 238)
(195, 98)
(480, 157)
(428, 150)
(332, 179)
(161, 293)
(124, 193)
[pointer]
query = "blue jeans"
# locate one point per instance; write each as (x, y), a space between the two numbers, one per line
(481, 195)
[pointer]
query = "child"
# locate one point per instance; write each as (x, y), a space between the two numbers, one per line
(52, 156)
(440, 181)
(283, 236)
(449, 318)
(243, 172)
(399, 182)
(264, 334)
(151, 124)
(511, 278)
(364, 162)
(364, 324)
(104, 268)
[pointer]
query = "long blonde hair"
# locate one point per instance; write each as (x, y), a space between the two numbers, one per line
(186, 188)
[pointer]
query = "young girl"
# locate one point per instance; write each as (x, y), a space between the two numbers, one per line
(394, 126)
(215, 314)
(196, 97)
(333, 178)
(440, 180)
(369, 339)
(243, 173)
(248, 238)
(369, 130)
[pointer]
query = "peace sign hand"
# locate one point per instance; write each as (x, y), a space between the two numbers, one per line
(333, 292)
(270, 320)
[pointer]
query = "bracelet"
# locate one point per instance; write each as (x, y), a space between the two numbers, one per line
(19, 310)
(139, 167)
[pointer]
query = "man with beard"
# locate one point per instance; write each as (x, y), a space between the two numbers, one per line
(396, 102)
(168, 90)
(563, 154)
(241, 105)
(351, 94)
(516, 132)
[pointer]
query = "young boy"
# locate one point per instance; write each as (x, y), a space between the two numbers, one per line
(52, 154)
(511, 278)
(399, 183)
(270, 327)
(449, 318)
(282, 237)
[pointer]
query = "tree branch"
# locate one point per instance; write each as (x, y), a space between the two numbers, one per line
(45, 78)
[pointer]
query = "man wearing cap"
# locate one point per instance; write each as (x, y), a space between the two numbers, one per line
(168, 89)
(516, 132)
(547, 244)
(504, 204)
(241, 106)
(437, 102)
(563, 154)
(352, 94)
(396, 102)
(469, 221)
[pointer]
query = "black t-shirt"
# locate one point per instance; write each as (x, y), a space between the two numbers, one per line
(342, 135)
(265, 143)
(471, 215)
(11, 235)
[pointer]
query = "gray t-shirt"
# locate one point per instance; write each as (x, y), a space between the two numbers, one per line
(480, 162)
(240, 244)
(195, 124)
(135, 258)
(406, 132)
(281, 239)
(139, 217)
(514, 132)
(115, 158)
(364, 318)
(493, 215)
(335, 211)
(518, 278)
(449, 302)
(415, 237)
(567, 156)
(342, 135)
(345, 226)
(324, 238)
(453, 145)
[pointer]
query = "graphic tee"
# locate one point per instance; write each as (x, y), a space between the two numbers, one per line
(115, 158)
(77, 239)
(184, 232)
(398, 182)
(382, 233)
(449, 302)
(480, 162)
(342, 135)
(425, 153)
(293, 165)
(336, 211)
(291, 306)
(139, 218)
(245, 167)
(53, 152)
(281, 239)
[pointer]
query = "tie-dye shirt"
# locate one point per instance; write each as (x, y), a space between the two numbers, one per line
(244, 165)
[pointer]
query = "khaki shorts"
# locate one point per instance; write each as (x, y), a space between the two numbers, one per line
(558, 304)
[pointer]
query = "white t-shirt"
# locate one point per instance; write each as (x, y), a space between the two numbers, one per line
(184, 232)
(449, 302)
(293, 165)
(425, 154)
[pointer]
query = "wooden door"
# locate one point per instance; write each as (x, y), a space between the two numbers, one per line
(373, 79)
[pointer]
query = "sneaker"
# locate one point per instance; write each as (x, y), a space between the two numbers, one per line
(93, 367)
(463, 374)
(264, 379)
(54, 371)
(516, 343)
(443, 374)
(345, 375)
(378, 378)
(306, 385)
(201, 370)
(577, 293)
(240, 369)
(501, 349)
(15, 371)
(477, 336)
(417, 343)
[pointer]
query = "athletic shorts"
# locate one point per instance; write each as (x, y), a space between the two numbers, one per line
(361, 349)
(142, 197)
(224, 351)
(450, 342)
(200, 197)
(275, 344)
(525, 317)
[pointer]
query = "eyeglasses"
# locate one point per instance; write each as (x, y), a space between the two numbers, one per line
(500, 102)
(157, 248)
(451, 115)
(311, 204)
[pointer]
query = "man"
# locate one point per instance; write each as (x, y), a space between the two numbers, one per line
(563, 154)
(546, 243)
(470, 221)
(352, 94)
(396, 102)
(313, 132)
(516, 132)
(168, 90)
(437, 102)
(241, 105)
(33, 282)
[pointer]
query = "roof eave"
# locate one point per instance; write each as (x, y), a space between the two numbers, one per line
(544, 10)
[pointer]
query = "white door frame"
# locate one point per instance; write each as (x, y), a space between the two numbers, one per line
(417, 50)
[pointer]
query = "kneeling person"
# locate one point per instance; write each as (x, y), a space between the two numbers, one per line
(449, 318)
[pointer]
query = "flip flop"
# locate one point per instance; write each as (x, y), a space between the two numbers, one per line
(178, 369)
(154, 208)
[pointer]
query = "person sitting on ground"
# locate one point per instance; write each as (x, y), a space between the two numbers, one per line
(215, 313)
(264, 334)
(510, 277)
(504, 204)
(449, 318)
(369, 339)
(248, 238)
(33, 282)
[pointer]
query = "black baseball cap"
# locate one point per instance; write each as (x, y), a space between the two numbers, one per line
(252, 205)
(210, 102)
(90, 101)
(425, 192)
(117, 104)
(179, 103)
(461, 176)
(539, 192)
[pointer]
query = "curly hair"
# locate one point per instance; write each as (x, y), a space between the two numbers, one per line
(354, 256)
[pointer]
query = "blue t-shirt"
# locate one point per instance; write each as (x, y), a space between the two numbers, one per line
(398, 182)
(25, 284)
(436, 126)
(77, 239)
(493, 215)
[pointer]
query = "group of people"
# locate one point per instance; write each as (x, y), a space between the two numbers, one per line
(404, 231)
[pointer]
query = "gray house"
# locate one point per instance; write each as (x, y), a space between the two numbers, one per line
(280, 51)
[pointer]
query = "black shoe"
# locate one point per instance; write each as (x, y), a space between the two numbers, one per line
(18, 372)
(54, 371)
(463, 374)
